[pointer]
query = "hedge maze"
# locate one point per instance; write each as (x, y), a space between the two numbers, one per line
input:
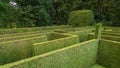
(60, 47)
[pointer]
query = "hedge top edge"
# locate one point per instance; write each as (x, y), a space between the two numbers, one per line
(46, 54)
(68, 36)
(23, 39)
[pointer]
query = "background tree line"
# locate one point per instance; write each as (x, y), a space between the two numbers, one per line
(32, 13)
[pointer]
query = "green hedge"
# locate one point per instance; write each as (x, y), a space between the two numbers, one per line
(73, 29)
(83, 35)
(32, 39)
(91, 36)
(54, 35)
(21, 37)
(111, 34)
(18, 49)
(79, 28)
(97, 66)
(111, 30)
(82, 55)
(81, 18)
(44, 47)
(26, 33)
(22, 30)
(109, 54)
(107, 37)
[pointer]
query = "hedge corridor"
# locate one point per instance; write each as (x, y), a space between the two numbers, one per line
(60, 47)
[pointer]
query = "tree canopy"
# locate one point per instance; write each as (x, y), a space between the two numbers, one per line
(32, 13)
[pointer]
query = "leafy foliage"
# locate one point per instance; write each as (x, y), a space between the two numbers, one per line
(9, 15)
(104, 10)
(40, 12)
(31, 13)
(81, 18)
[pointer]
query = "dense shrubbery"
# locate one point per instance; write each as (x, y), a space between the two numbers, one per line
(30, 13)
(81, 18)
(45, 48)
(38, 12)
(105, 11)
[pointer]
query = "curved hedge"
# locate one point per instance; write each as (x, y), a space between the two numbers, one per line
(81, 18)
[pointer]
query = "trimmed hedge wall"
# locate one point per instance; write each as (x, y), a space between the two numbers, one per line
(59, 49)
(54, 35)
(109, 54)
(27, 33)
(113, 28)
(83, 35)
(18, 49)
(44, 47)
(112, 31)
(112, 34)
(107, 37)
(81, 18)
(27, 43)
(20, 37)
(22, 30)
(82, 55)
(97, 66)
(73, 29)
(91, 36)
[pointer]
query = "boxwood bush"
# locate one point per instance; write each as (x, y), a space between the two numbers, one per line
(81, 55)
(81, 18)
(12, 51)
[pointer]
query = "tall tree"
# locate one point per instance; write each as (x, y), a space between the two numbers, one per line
(8, 14)
(116, 13)
(40, 12)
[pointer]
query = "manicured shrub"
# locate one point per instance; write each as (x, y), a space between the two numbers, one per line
(18, 49)
(108, 37)
(53, 36)
(111, 34)
(113, 28)
(91, 36)
(44, 47)
(83, 35)
(109, 54)
(113, 31)
(97, 66)
(81, 18)
(82, 55)
(98, 31)
(5, 39)
(26, 33)
(73, 29)
(22, 30)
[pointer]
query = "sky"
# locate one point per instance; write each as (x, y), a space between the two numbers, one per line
(12, 3)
